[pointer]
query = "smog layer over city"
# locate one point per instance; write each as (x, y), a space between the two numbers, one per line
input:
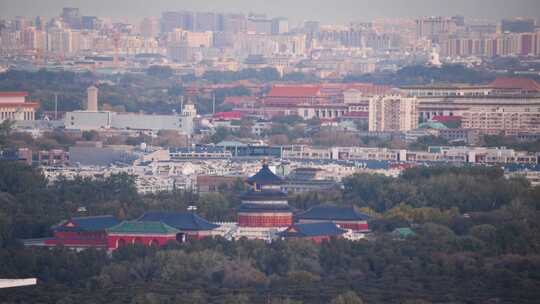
(283, 152)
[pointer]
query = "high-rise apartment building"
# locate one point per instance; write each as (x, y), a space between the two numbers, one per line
(432, 27)
(149, 27)
(393, 113)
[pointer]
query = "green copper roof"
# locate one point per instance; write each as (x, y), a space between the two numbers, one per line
(432, 125)
(136, 227)
(404, 232)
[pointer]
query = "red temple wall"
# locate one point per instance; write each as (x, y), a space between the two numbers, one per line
(79, 235)
(255, 220)
(114, 240)
(353, 225)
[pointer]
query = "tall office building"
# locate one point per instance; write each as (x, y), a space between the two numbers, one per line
(312, 27)
(205, 21)
(280, 26)
(40, 23)
(172, 20)
(149, 27)
(89, 23)
(432, 27)
(259, 25)
(393, 113)
(71, 17)
(234, 23)
(517, 25)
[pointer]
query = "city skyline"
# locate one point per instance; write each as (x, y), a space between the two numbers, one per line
(347, 11)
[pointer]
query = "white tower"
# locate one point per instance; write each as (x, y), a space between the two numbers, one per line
(189, 110)
(434, 59)
(92, 99)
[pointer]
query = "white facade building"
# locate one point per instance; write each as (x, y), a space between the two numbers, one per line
(393, 113)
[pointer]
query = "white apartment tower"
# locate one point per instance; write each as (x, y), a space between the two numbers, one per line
(393, 113)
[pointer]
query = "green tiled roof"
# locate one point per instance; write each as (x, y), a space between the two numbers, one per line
(404, 232)
(136, 227)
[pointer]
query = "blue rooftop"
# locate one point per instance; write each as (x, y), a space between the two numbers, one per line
(265, 176)
(312, 230)
(86, 223)
(252, 195)
(179, 220)
(254, 207)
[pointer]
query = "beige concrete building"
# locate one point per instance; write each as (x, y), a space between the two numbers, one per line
(92, 99)
(510, 119)
(393, 113)
(13, 106)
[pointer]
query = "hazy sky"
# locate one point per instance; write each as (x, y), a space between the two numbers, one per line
(340, 11)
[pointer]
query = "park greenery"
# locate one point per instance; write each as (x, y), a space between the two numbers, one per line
(477, 241)
(158, 89)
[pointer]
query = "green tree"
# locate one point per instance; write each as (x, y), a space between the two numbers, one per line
(350, 297)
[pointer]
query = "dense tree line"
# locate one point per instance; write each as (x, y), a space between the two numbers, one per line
(477, 241)
(421, 74)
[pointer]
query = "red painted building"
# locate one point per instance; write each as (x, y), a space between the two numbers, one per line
(188, 224)
(231, 115)
(264, 204)
(344, 217)
(291, 95)
(317, 232)
(144, 233)
(78, 233)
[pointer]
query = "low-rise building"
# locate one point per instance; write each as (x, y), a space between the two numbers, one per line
(343, 217)
(14, 106)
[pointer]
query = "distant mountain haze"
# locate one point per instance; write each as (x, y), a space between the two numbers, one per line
(336, 11)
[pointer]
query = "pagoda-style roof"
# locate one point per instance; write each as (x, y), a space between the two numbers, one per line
(265, 176)
(137, 227)
(179, 220)
(86, 223)
(263, 195)
(332, 213)
(256, 208)
(312, 230)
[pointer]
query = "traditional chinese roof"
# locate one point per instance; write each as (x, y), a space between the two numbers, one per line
(231, 115)
(256, 208)
(294, 91)
(13, 94)
(404, 232)
(524, 84)
(432, 125)
(263, 195)
(86, 223)
(179, 220)
(265, 176)
(312, 230)
(333, 213)
(140, 227)
(445, 118)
